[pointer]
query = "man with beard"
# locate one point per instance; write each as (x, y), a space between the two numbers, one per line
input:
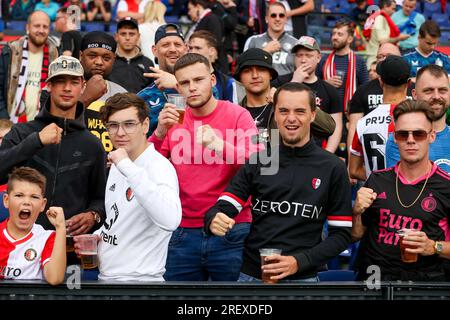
(432, 86)
(308, 177)
(276, 41)
(24, 70)
(207, 149)
(168, 48)
(414, 195)
(57, 144)
(97, 57)
(344, 70)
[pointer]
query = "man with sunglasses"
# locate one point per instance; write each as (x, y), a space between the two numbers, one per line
(432, 86)
(415, 195)
(143, 206)
(276, 41)
(368, 149)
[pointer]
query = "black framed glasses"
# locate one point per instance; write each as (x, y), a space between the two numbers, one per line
(418, 135)
(129, 126)
(280, 15)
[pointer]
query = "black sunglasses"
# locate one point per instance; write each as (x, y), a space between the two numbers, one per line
(274, 15)
(418, 135)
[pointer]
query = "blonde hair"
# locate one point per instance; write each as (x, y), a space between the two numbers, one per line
(155, 11)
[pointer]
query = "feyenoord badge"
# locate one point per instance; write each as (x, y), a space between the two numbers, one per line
(30, 254)
(316, 183)
(129, 194)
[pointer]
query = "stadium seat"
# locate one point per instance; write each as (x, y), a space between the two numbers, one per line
(441, 19)
(92, 26)
(336, 275)
(432, 7)
(17, 25)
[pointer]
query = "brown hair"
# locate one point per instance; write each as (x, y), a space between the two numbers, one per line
(207, 36)
(411, 106)
(121, 101)
(346, 23)
(296, 87)
(26, 174)
(431, 28)
(435, 70)
(5, 124)
(190, 59)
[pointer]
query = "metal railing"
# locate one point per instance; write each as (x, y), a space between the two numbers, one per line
(36, 290)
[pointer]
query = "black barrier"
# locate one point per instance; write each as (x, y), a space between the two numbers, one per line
(32, 290)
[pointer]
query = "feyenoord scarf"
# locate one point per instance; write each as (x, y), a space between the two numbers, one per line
(18, 112)
(329, 71)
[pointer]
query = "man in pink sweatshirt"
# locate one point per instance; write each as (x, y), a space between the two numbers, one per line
(206, 149)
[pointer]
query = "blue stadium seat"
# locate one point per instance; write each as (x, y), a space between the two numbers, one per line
(4, 213)
(336, 275)
(92, 26)
(432, 7)
(18, 25)
(441, 19)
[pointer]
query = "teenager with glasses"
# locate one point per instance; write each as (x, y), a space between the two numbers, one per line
(276, 41)
(415, 194)
(141, 200)
(432, 86)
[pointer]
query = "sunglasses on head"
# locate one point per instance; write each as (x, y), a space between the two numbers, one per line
(418, 135)
(280, 15)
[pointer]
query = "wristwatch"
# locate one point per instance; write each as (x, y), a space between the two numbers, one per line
(438, 247)
(97, 217)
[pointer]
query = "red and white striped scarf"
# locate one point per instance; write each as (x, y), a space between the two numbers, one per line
(18, 112)
(329, 71)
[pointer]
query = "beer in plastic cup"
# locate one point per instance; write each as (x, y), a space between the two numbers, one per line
(265, 252)
(407, 257)
(88, 251)
(180, 104)
(69, 244)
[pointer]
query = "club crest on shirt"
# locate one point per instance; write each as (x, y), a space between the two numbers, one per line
(30, 254)
(429, 203)
(316, 183)
(129, 194)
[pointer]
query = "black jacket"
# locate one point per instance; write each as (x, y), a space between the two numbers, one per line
(293, 191)
(130, 73)
(74, 168)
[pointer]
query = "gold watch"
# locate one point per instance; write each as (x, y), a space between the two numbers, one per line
(438, 247)
(97, 217)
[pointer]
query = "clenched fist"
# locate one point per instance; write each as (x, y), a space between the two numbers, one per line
(51, 134)
(56, 217)
(206, 136)
(221, 224)
(117, 155)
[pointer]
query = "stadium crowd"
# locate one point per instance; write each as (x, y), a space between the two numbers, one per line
(185, 148)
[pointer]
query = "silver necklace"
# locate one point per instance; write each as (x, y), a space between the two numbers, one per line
(257, 122)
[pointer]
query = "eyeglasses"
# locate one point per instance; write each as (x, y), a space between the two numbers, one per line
(280, 15)
(129, 126)
(418, 135)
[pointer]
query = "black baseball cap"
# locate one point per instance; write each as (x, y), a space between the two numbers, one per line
(254, 57)
(394, 70)
(98, 39)
(128, 21)
(162, 32)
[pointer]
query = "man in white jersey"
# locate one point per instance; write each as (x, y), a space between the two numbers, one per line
(368, 150)
(141, 200)
(27, 251)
